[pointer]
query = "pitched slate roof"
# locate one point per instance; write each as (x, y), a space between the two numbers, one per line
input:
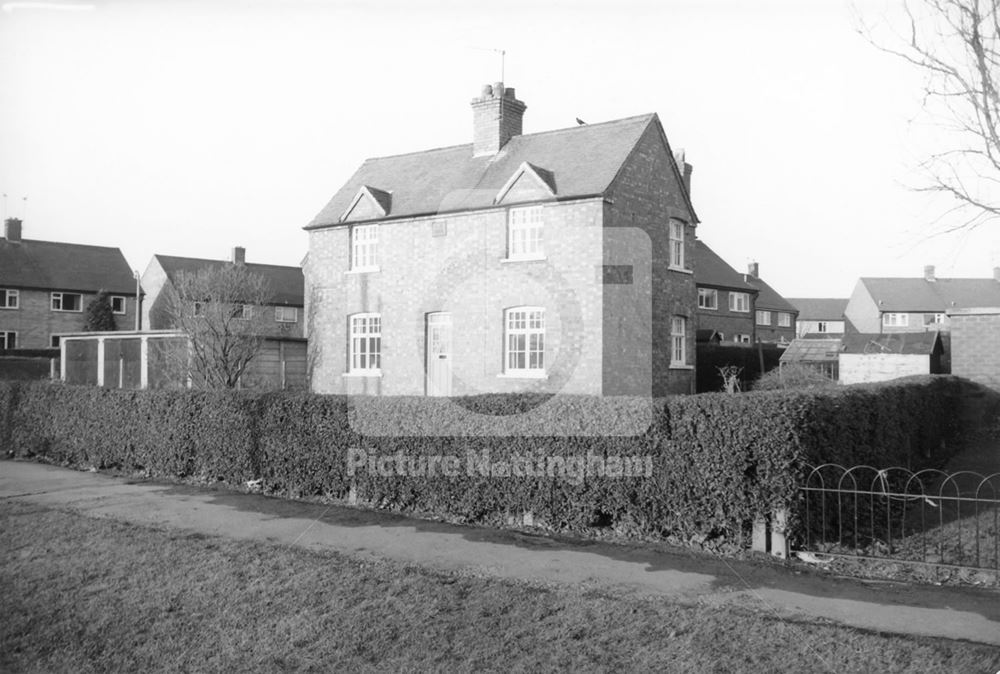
(769, 297)
(712, 270)
(917, 294)
(287, 283)
(54, 265)
(912, 343)
(819, 308)
(580, 161)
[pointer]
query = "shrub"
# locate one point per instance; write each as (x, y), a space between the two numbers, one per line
(715, 461)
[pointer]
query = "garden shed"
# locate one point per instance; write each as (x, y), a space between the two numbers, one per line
(871, 357)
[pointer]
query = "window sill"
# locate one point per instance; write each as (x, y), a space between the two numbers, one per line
(534, 258)
(681, 366)
(681, 270)
(364, 270)
(9, 308)
(363, 374)
(522, 375)
(67, 311)
(708, 308)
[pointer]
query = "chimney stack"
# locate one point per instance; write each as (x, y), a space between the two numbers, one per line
(929, 273)
(496, 118)
(753, 269)
(685, 170)
(239, 255)
(12, 230)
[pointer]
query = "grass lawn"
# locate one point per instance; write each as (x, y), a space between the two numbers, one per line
(82, 594)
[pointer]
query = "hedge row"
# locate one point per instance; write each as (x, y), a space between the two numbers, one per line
(714, 461)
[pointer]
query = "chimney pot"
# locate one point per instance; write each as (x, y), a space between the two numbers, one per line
(12, 230)
(929, 272)
(239, 255)
(487, 91)
(753, 269)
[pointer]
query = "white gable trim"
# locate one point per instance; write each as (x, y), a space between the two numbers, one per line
(523, 169)
(363, 193)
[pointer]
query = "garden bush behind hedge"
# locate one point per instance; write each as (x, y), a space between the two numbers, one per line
(715, 461)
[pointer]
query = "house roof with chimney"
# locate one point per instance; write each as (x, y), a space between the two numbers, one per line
(572, 163)
(903, 295)
(768, 299)
(711, 270)
(287, 283)
(819, 308)
(55, 265)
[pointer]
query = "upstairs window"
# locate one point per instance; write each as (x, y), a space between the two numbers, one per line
(708, 298)
(117, 304)
(242, 312)
(286, 314)
(763, 318)
(524, 233)
(678, 340)
(895, 320)
(784, 319)
(525, 341)
(822, 326)
(933, 319)
(364, 248)
(67, 302)
(739, 302)
(366, 343)
(9, 298)
(676, 244)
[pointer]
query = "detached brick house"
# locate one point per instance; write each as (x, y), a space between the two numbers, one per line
(554, 261)
(725, 301)
(282, 359)
(887, 305)
(45, 286)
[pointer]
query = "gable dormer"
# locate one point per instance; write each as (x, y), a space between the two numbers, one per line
(527, 183)
(369, 203)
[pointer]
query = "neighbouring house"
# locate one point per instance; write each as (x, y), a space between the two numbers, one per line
(819, 316)
(880, 357)
(774, 316)
(45, 286)
(888, 305)
(554, 261)
(726, 302)
(281, 362)
(817, 352)
(975, 344)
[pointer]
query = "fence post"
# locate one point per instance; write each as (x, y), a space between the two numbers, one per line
(779, 540)
(758, 542)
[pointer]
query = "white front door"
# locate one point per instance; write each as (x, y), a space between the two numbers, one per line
(439, 354)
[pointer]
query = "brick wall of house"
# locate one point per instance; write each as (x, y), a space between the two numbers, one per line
(975, 346)
(645, 195)
(916, 322)
(35, 322)
(461, 270)
(773, 333)
(729, 323)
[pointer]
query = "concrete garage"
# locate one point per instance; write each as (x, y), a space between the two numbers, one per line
(870, 358)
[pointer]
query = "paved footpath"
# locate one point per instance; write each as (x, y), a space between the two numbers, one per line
(957, 613)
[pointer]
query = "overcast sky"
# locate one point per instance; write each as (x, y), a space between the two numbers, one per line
(186, 128)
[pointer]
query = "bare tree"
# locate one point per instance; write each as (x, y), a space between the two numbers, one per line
(956, 45)
(221, 308)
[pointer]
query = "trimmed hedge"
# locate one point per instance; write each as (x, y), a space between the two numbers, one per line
(716, 460)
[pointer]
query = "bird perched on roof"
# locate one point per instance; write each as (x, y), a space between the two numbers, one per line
(580, 121)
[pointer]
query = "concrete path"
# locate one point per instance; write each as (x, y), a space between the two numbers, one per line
(957, 613)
